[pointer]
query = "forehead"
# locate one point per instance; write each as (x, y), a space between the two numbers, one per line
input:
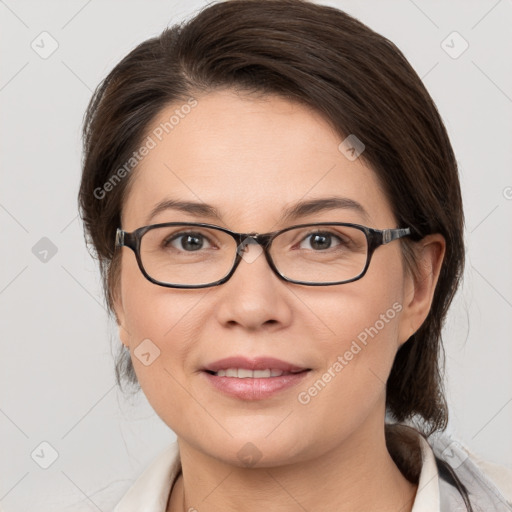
(249, 157)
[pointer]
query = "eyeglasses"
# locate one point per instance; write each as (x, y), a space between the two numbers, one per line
(197, 255)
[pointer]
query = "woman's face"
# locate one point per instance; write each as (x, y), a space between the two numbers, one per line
(251, 159)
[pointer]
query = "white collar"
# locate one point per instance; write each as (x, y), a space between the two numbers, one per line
(427, 495)
(150, 492)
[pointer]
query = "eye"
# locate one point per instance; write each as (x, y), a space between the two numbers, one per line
(187, 242)
(320, 241)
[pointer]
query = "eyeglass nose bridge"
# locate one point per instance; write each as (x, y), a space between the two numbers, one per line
(263, 242)
(246, 239)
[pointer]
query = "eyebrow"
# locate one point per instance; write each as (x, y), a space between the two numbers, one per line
(190, 207)
(293, 212)
(303, 208)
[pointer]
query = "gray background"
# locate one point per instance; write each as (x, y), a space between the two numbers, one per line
(56, 364)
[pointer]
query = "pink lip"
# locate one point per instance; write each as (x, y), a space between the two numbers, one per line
(258, 363)
(254, 389)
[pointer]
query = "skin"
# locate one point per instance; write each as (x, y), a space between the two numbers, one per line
(250, 158)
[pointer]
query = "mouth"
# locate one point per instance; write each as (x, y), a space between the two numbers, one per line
(253, 379)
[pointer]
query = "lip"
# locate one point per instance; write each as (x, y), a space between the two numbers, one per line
(254, 388)
(257, 363)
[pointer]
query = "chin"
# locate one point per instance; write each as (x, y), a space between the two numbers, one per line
(262, 450)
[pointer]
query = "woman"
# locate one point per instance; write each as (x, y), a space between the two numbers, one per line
(276, 210)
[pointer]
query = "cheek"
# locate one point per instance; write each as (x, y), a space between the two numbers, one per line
(161, 328)
(362, 333)
(365, 313)
(164, 333)
(153, 311)
(357, 353)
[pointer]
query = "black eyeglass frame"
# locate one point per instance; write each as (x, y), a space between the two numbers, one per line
(374, 237)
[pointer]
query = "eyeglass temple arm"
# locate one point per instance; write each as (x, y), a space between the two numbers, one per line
(119, 237)
(388, 235)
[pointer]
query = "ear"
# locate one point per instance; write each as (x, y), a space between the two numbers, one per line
(420, 284)
(120, 317)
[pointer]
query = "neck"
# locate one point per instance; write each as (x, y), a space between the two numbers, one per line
(357, 474)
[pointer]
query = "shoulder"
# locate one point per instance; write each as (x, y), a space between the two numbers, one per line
(443, 466)
(489, 485)
(500, 475)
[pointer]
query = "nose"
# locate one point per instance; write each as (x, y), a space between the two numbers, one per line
(254, 297)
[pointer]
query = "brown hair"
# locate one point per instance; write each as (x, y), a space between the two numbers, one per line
(321, 57)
